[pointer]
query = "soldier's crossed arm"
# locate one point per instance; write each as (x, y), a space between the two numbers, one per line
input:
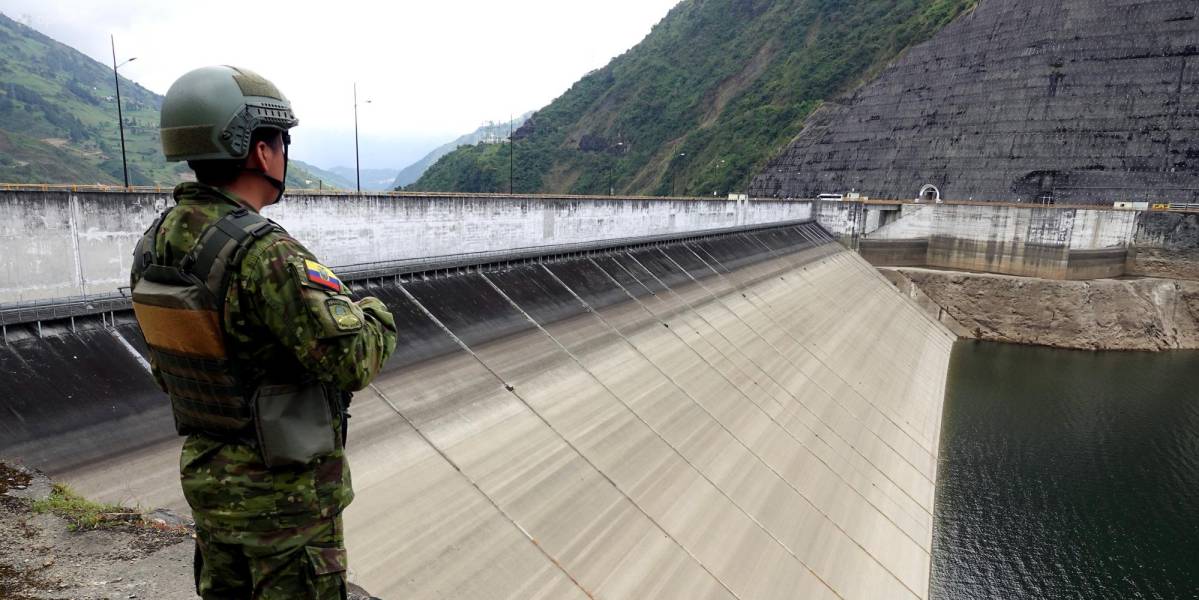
(342, 342)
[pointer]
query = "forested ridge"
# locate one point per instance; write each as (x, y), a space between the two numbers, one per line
(712, 93)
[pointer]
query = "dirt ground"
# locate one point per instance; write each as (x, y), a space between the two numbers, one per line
(41, 558)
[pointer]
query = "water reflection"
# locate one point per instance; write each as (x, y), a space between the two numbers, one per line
(1068, 474)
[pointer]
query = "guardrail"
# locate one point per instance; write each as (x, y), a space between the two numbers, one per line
(107, 305)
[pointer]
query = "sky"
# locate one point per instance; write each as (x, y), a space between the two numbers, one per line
(432, 70)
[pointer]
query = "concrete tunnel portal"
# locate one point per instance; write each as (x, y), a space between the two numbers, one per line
(751, 413)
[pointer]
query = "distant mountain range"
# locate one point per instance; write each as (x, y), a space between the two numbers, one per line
(489, 131)
(376, 180)
(321, 178)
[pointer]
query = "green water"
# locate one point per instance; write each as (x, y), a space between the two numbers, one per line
(1068, 474)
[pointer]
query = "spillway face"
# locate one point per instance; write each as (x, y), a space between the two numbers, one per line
(750, 416)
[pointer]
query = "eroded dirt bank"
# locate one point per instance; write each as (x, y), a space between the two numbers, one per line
(1103, 314)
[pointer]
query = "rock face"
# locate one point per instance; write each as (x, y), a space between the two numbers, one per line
(1104, 314)
(1166, 245)
(1070, 101)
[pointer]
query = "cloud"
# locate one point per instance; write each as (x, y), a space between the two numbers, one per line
(432, 69)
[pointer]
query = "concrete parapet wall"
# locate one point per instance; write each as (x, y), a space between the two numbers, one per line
(58, 244)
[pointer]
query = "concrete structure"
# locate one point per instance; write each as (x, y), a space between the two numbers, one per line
(752, 417)
(1166, 245)
(58, 244)
(1072, 101)
(1034, 241)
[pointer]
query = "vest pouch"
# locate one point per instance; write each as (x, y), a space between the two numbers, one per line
(294, 424)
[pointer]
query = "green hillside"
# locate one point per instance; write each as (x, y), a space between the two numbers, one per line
(715, 89)
(55, 95)
(489, 131)
(58, 118)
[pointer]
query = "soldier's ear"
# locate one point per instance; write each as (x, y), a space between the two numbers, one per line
(259, 156)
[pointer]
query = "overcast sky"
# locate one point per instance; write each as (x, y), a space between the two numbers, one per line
(433, 69)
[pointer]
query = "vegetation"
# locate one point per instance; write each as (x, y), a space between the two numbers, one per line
(490, 131)
(58, 118)
(80, 512)
(711, 94)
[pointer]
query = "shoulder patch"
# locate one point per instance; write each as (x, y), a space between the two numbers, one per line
(321, 275)
(343, 314)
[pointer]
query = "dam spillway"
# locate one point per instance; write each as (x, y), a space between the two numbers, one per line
(748, 415)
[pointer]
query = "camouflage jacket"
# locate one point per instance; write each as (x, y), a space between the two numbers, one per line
(280, 326)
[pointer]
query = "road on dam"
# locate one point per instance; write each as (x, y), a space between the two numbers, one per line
(752, 415)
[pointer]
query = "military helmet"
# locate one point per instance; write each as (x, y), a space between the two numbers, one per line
(210, 113)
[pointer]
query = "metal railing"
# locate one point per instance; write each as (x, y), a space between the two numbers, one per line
(56, 309)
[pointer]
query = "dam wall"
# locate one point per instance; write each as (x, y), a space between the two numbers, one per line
(751, 416)
(1037, 241)
(59, 244)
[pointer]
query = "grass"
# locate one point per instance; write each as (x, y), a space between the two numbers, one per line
(81, 513)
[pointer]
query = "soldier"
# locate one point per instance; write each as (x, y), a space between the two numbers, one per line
(258, 346)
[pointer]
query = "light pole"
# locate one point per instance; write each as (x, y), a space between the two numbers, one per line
(357, 165)
(511, 152)
(120, 117)
(611, 182)
(682, 157)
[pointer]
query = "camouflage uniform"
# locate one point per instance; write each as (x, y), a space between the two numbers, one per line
(260, 532)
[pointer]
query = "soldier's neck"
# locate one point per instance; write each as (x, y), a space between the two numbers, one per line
(252, 192)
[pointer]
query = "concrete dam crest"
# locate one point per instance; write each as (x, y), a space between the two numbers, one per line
(754, 414)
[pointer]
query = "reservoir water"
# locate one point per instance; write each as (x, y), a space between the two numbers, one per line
(1068, 474)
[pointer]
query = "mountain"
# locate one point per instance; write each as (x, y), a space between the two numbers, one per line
(320, 178)
(716, 89)
(61, 103)
(375, 180)
(490, 131)
(58, 118)
(1020, 100)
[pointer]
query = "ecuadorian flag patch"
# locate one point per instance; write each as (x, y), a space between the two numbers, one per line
(322, 276)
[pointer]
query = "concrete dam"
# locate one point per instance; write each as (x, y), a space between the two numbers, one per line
(590, 399)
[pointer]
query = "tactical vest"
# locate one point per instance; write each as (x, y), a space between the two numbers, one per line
(181, 312)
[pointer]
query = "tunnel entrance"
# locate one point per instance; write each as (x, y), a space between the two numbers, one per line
(929, 193)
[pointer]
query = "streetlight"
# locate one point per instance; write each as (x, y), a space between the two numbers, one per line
(357, 166)
(120, 117)
(511, 153)
(682, 155)
(611, 184)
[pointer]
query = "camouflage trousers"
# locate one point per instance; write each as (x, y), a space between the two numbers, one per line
(299, 563)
